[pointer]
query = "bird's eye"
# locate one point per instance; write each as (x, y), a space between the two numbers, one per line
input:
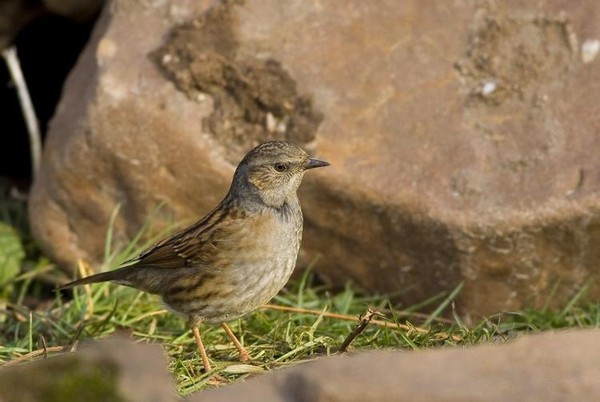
(281, 167)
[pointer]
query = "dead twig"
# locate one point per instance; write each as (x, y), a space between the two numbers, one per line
(33, 354)
(363, 320)
(35, 142)
(346, 317)
(44, 346)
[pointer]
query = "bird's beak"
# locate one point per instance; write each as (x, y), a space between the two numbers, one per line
(315, 163)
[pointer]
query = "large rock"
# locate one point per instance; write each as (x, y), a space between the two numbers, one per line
(110, 370)
(560, 366)
(463, 136)
(547, 367)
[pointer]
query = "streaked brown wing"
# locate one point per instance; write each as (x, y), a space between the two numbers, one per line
(163, 255)
(189, 246)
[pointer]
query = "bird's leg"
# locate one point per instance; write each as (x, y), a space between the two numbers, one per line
(244, 355)
(196, 332)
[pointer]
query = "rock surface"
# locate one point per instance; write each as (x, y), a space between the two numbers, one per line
(14, 15)
(112, 370)
(74, 9)
(462, 136)
(552, 366)
(560, 366)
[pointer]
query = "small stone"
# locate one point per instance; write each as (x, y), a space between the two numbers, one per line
(488, 88)
(589, 50)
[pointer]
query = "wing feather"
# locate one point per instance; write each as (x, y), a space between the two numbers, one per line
(188, 247)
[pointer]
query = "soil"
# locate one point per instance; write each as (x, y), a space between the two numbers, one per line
(516, 53)
(255, 100)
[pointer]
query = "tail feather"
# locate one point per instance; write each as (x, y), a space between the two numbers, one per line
(116, 276)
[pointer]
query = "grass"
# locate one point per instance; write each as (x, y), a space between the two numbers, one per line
(36, 321)
(274, 338)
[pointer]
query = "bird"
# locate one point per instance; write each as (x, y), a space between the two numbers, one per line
(237, 257)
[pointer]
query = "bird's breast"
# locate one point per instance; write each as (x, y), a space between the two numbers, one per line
(265, 245)
(253, 259)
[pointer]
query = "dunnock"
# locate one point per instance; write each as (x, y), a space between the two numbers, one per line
(237, 257)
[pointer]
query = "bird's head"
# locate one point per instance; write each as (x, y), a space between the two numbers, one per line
(274, 171)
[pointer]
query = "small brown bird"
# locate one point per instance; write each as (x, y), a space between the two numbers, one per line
(237, 257)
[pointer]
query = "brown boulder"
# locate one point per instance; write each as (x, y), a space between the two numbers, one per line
(558, 366)
(463, 137)
(111, 370)
(552, 366)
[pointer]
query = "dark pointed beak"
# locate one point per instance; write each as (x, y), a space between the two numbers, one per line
(315, 163)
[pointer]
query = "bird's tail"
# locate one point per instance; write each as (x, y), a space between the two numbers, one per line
(118, 276)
